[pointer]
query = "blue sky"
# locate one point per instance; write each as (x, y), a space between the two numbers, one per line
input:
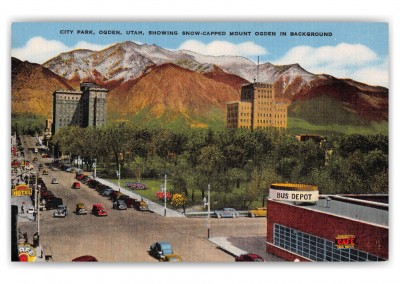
(356, 50)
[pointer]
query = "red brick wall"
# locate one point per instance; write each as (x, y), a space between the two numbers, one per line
(369, 238)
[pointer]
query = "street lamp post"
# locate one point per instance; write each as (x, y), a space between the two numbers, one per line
(119, 177)
(38, 216)
(94, 170)
(165, 195)
(208, 209)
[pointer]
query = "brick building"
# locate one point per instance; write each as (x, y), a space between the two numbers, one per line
(339, 228)
(83, 108)
(257, 108)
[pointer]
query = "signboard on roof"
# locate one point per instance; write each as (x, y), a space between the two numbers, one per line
(294, 192)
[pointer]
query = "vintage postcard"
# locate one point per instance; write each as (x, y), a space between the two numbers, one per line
(199, 142)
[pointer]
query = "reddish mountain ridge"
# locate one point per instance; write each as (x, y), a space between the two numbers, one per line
(148, 77)
(32, 87)
(173, 90)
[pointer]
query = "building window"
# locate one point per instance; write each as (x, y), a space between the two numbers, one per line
(316, 248)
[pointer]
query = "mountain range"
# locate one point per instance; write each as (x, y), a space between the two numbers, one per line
(158, 86)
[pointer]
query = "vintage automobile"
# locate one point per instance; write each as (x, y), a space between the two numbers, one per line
(41, 166)
(76, 185)
(45, 172)
(80, 209)
(54, 180)
(86, 258)
(172, 258)
(258, 212)
(61, 211)
(120, 205)
(141, 205)
(105, 191)
(249, 257)
(226, 213)
(98, 210)
(160, 249)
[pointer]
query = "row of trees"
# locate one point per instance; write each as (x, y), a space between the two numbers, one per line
(239, 164)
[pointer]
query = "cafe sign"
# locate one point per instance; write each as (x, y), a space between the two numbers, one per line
(26, 253)
(345, 241)
(21, 190)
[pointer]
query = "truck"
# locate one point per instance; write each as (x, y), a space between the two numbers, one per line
(53, 203)
(99, 210)
(80, 209)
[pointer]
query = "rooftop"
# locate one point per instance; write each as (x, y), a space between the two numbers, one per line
(361, 208)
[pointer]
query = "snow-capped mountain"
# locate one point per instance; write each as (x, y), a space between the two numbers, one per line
(142, 78)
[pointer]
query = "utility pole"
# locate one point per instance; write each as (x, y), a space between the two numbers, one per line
(208, 215)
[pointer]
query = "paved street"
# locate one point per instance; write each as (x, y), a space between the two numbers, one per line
(125, 236)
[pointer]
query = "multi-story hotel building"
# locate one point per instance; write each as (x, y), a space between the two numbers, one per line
(83, 108)
(257, 108)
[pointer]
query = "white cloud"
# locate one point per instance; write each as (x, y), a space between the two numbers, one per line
(355, 61)
(375, 75)
(39, 49)
(217, 48)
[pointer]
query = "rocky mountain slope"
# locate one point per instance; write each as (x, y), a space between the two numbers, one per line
(32, 87)
(184, 84)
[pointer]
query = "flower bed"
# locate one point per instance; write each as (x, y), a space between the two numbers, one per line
(136, 185)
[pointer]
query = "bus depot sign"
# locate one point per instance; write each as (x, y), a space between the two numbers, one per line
(21, 190)
(294, 192)
(345, 241)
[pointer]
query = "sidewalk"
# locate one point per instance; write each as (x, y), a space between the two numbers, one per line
(225, 245)
(154, 207)
(27, 202)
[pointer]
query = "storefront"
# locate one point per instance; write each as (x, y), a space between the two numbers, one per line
(326, 228)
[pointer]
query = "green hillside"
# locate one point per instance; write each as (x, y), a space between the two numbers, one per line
(324, 115)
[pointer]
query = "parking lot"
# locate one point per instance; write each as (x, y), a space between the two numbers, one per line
(125, 235)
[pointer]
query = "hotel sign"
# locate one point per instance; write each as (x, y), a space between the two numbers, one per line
(345, 241)
(294, 192)
(21, 190)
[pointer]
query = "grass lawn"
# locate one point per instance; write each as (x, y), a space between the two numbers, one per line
(153, 187)
(150, 193)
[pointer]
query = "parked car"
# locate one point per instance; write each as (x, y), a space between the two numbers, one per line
(54, 180)
(249, 257)
(105, 191)
(120, 204)
(226, 213)
(86, 258)
(93, 183)
(30, 211)
(141, 205)
(172, 258)
(130, 202)
(160, 249)
(80, 209)
(61, 211)
(45, 172)
(258, 212)
(76, 185)
(98, 210)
